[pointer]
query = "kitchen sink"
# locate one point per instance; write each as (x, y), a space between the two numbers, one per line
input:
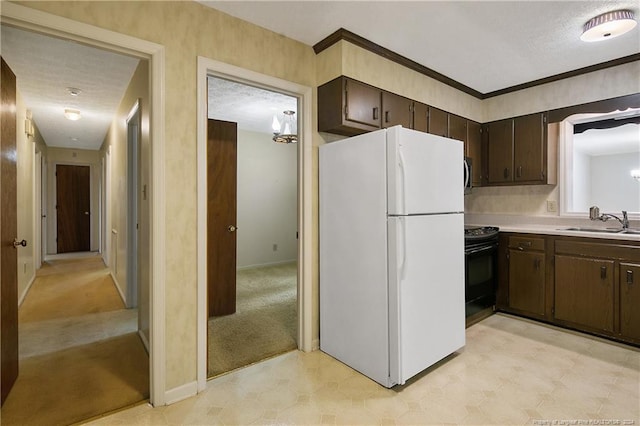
(586, 229)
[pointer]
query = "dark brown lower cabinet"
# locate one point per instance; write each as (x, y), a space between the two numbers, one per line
(527, 281)
(584, 291)
(630, 300)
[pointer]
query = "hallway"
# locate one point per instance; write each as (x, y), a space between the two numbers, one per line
(80, 353)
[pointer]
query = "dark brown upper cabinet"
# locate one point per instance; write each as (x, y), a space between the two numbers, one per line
(500, 152)
(518, 152)
(438, 122)
(349, 107)
(457, 128)
(420, 117)
(473, 150)
(397, 110)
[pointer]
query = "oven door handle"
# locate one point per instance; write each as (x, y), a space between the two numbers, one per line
(482, 249)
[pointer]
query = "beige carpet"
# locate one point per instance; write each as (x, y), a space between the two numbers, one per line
(80, 355)
(265, 322)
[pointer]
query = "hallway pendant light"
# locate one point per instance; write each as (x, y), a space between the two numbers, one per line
(608, 25)
(285, 132)
(72, 114)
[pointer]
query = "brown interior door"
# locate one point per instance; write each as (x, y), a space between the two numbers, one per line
(73, 208)
(8, 232)
(221, 216)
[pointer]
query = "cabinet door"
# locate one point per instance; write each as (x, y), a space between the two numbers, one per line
(474, 150)
(500, 152)
(584, 291)
(458, 128)
(397, 110)
(526, 281)
(528, 147)
(362, 103)
(420, 117)
(438, 122)
(630, 300)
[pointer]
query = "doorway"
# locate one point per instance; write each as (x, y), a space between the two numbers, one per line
(88, 35)
(304, 305)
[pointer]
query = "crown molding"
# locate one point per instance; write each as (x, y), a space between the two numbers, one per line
(346, 35)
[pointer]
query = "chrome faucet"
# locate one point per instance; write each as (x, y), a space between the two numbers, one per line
(594, 214)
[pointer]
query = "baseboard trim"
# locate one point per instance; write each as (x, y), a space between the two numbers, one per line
(260, 265)
(26, 290)
(115, 282)
(181, 392)
(145, 341)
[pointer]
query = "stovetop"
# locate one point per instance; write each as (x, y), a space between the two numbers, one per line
(480, 232)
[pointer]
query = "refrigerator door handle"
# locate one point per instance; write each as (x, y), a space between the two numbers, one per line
(402, 245)
(401, 205)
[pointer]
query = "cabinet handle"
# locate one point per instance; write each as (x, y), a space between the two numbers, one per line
(506, 172)
(536, 263)
(375, 113)
(629, 276)
(519, 172)
(386, 116)
(603, 272)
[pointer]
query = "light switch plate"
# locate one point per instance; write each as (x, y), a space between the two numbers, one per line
(552, 206)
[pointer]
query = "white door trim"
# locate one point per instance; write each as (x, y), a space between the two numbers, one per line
(27, 18)
(304, 94)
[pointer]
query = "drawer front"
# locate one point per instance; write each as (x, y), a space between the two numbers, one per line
(526, 243)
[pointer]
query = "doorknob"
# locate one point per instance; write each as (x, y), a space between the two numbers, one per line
(232, 228)
(87, 213)
(17, 243)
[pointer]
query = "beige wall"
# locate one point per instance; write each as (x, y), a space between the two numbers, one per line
(117, 145)
(79, 157)
(25, 152)
(195, 30)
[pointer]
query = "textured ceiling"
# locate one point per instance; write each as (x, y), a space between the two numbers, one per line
(45, 67)
(251, 107)
(485, 45)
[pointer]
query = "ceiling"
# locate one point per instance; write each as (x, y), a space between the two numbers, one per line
(45, 67)
(251, 107)
(485, 45)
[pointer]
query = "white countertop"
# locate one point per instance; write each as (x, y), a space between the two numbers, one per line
(549, 226)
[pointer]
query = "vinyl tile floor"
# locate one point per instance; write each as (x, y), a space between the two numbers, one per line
(511, 372)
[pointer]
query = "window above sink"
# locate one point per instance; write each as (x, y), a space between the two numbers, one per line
(599, 163)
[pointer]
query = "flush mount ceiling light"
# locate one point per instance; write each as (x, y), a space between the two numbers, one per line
(73, 91)
(72, 114)
(288, 127)
(608, 25)
(636, 174)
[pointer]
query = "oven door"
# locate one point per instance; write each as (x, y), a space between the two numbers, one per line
(480, 276)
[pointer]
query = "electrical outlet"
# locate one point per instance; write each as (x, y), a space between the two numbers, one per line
(275, 247)
(552, 206)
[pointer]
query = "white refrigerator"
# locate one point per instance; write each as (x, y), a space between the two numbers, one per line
(391, 252)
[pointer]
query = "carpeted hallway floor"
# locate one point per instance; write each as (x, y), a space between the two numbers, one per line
(265, 322)
(80, 354)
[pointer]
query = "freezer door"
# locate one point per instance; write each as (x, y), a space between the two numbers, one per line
(425, 173)
(426, 291)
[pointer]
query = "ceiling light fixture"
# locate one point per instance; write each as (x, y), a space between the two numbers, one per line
(636, 174)
(285, 132)
(608, 25)
(72, 114)
(74, 91)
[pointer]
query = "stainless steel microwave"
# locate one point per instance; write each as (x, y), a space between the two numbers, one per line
(468, 175)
